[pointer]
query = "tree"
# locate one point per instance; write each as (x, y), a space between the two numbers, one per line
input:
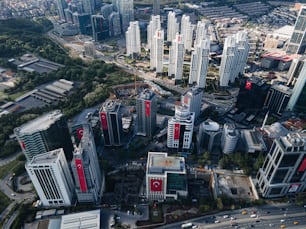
(259, 161)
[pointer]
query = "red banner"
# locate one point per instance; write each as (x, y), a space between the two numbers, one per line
(22, 145)
(302, 166)
(80, 170)
(103, 120)
(176, 131)
(148, 107)
(248, 85)
(156, 185)
(80, 133)
(186, 100)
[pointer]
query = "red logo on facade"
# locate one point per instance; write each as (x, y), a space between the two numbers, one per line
(176, 131)
(103, 120)
(80, 171)
(302, 166)
(156, 185)
(248, 85)
(148, 108)
(80, 133)
(23, 146)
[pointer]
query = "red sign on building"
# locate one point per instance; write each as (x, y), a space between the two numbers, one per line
(103, 120)
(156, 185)
(80, 133)
(176, 131)
(248, 85)
(186, 100)
(22, 145)
(302, 166)
(80, 171)
(148, 108)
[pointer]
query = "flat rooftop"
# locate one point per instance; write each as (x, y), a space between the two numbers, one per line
(88, 220)
(47, 158)
(159, 163)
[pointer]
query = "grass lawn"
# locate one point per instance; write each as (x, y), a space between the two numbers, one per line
(5, 169)
(4, 201)
(16, 95)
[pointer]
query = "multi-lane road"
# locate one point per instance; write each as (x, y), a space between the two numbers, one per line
(268, 216)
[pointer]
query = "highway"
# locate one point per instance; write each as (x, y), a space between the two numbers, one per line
(268, 216)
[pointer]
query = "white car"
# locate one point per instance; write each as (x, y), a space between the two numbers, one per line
(226, 216)
(282, 220)
(217, 221)
(253, 216)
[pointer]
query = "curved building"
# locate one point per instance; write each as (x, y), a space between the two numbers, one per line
(229, 139)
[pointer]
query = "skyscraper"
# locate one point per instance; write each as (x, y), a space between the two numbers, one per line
(114, 24)
(192, 99)
(133, 39)
(176, 59)
(154, 25)
(242, 54)
(61, 6)
(157, 51)
(43, 134)
(146, 108)
(110, 117)
(199, 64)
(86, 170)
(156, 7)
(50, 175)
(88, 6)
(283, 171)
(187, 32)
(180, 129)
(201, 32)
(297, 43)
(172, 26)
(229, 138)
(126, 11)
(100, 27)
(295, 70)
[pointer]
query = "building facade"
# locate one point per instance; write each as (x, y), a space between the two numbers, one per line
(152, 27)
(283, 171)
(176, 59)
(157, 52)
(199, 64)
(201, 31)
(192, 99)
(166, 177)
(209, 134)
(229, 138)
(111, 122)
(126, 11)
(187, 32)
(100, 27)
(89, 182)
(146, 107)
(180, 129)
(43, 134)
(132, 36)
(50, 175)
(172, 26)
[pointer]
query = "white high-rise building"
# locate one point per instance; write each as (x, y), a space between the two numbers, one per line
(192, 99)
(201, 31)
(229, 138)
(154, 25)
(50, 175)
(88, 6)
(242, 54)
(172, 26)
(180, 129)
(234, 57)
(157, 51)
(187, 32)
(228, 61)
(199, 64)
(176, 58)
(133, 39)
(86, 170)
(126, 11)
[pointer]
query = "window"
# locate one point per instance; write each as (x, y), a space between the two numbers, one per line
(279, 176)
(276, 191)
(288, 160)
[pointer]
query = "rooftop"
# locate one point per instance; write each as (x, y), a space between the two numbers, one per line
(47, 158)
(89, 219)
(41, 123)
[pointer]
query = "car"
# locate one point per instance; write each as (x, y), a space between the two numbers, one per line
(217, 221)
(233, 217)
(271, 225)
(244, 212)
(252, 225)
(226, 216)
(257, 221)
(253, 215)
(282, 226)
(13, 194)
(268, 212)
(295, 222)
(282, 220)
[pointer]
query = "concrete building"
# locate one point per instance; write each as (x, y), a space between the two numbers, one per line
(100, 27)
(146, 107)
(187, 32)
(89, 49)
(61, 6)
(201, 31)
(180, 129)
(295, 70)
(156, 7)
(172, 26)
(88, 6)
(283, 171)
(132, 36)
(50, 175)
(199, 63)
(297, 43)
(277, 99)
(89, 219)
(209, 134)
(111, 122)
(126, 11)
(243, 48)
(192, 99)
(89, 182)
(153, 26)
(253, 141)
(157, 52)
(114, 24)
(166, 177)
(229, 138)
(43, 134)
(176, 59)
